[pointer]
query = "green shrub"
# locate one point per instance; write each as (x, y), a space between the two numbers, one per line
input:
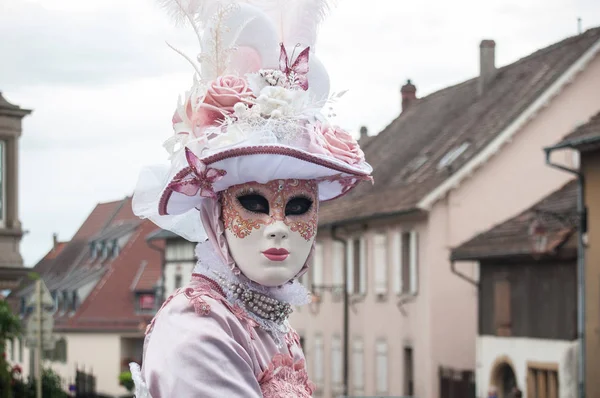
(126, 381)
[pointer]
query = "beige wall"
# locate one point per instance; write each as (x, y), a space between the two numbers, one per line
(98, 353)
(590, 163)
(441, 323)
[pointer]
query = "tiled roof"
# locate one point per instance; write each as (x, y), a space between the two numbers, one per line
(556, 215)
(585, 137)
(146, 278)
(111, 304)
(406, 155)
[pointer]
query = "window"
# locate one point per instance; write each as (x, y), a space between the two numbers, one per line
(405, 257)
(2, 182)
(20, 350)
(356, 266)
(179, 250)
(338, 262)
(452, 155)
(93, 250)
(115, 249)
(74, 301)
(65, 301)
(317, 267)
(542, 381)
(146, 302)
(408, 372)
(318, 361)
(104, 251)
(380, 251)
(358, 371)
(59, 353)
(12, 349)
(178, 281)
(336, 364)
(381, 366)
(502, 316)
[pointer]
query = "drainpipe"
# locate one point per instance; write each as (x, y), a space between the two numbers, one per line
(461, 275)
(346, 313)
(582, 214)
(161, 250)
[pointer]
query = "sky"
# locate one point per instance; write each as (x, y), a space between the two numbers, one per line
(103, 84)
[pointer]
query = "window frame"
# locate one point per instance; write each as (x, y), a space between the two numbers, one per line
(356, 269)
(318, 361)
(547, 372)
(337, 364)
(382, 383)
(358, 366)
(3, 191)
(405, 260)
(380, 264)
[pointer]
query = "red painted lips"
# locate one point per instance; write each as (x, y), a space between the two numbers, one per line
(276, 254)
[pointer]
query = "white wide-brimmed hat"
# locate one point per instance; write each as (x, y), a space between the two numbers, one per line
(253, 114)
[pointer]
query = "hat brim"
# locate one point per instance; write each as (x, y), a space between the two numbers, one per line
(267, 163)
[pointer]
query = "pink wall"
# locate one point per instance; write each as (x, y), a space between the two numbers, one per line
(510, 182)
(441, 323)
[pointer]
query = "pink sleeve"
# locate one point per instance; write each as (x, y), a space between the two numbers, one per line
(191, 356)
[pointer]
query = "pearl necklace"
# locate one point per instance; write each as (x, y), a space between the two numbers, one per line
(261, 305)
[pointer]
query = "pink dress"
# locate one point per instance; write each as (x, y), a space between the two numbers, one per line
(203, 343)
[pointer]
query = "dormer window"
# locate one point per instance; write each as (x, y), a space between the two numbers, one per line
(145, 303)
(66, 301)
(115, 249)
(74, 301)
(94, 250)
(452, 155)
(104, 254)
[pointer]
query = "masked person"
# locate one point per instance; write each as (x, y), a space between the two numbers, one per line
(255, 158)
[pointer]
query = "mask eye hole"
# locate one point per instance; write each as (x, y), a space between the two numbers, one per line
(298, 206)
(254, 203)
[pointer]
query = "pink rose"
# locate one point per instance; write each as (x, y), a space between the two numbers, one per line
(221, 96)
(334, 141)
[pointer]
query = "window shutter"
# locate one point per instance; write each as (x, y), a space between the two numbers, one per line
(381, 363)
(414, 262)
(317, 271)
(363, 266)
(380, 251)
(336, 363)
(318, 360)
(350, 265)
(338, 263)
(358, 366)
(502, 315)
(397, 261)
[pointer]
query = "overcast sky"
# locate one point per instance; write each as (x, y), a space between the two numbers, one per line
(103, 84)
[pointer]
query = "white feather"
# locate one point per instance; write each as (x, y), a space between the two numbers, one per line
(297, 21)
(183, 11)
(309, 14)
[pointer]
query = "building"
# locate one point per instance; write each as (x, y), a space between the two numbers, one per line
(527, 329)
(104, 282)
(586, 141)
(178, 260)
(12, 271)
(449, 167)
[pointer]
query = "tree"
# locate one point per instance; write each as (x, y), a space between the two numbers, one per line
(10, 329)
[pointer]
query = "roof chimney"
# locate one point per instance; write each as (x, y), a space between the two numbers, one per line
(54, 240)
(364, 132)
(409, 94)
(487, 64)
